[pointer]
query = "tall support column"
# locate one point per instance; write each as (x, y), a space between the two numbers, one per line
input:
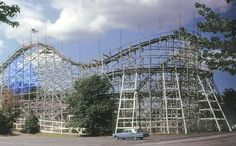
(126, 116)
(172, 103)
(181, 102)
(210, 99)
(225, 119)
(118, 113)
(38, 100)
(1, 84)
(165, 101)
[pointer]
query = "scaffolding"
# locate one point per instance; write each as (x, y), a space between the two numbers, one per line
(163, 86)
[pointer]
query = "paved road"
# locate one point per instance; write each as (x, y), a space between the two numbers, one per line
(227, 139)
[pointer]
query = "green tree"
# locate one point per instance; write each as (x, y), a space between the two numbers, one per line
(228, 1)
(91, 105)
(6, 124)
(219, 45)
(7, 12)
(31, 125)
(229, 96)
(9, 111)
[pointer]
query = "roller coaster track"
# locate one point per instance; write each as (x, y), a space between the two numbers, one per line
(25, 47)
(108, 58)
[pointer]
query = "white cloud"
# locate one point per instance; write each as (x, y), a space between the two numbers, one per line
(28, 9)
(81, 19)
(23, 32)
(31, 16)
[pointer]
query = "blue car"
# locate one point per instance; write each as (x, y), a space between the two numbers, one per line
(131, 134)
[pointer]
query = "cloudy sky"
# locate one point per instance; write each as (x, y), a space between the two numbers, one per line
(76, 27)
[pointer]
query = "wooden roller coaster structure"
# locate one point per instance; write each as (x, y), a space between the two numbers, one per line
(162, 83)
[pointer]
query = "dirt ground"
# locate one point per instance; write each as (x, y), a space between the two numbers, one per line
(205, 139)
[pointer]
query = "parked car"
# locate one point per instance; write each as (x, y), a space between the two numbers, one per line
(84, 132)
(131, 134)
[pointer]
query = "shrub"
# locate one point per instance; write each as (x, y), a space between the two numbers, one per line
(31, 125)
(6, 124)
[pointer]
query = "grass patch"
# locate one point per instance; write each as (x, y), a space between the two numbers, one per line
(54, 135)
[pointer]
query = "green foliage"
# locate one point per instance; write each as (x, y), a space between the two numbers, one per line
(229, 96)
(6, 123)
(219, 45)
(91, 105)
(7, 11)
(8, 111)
(228, 1)
(230, 99)
(31, 125)
(9, 105)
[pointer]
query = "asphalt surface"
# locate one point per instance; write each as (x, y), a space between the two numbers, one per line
(212, 139)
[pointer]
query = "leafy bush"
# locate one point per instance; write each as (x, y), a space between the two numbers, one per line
(6, 124)
(31, 125)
